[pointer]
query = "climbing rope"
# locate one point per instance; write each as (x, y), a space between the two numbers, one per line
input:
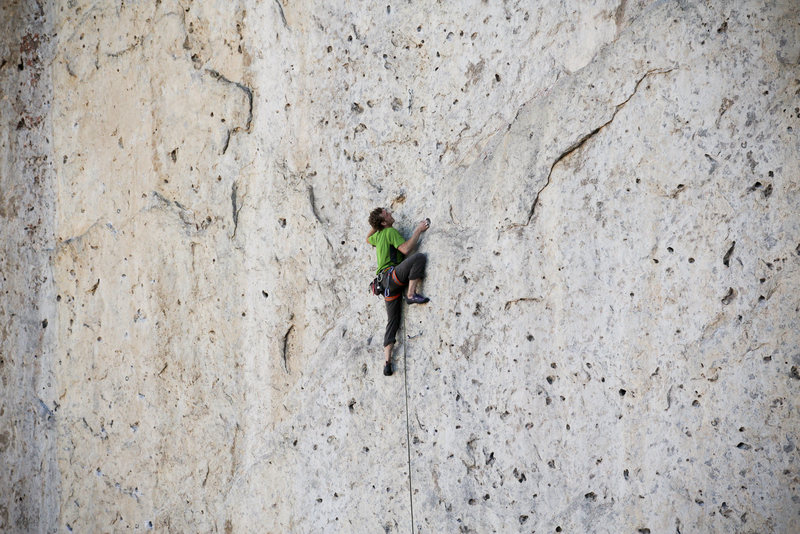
(408, 425)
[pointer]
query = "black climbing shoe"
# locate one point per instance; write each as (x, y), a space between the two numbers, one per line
(387, 369)
(417, 299)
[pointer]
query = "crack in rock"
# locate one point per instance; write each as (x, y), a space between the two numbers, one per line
(313, 204)
(249, 93)
(282, 14)
(76, 238)
(186, 215)
(580, 142)
(286, 348)
(520, 300)
(236, 207)
(136, 42)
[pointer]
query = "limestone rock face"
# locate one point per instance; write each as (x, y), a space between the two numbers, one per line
(613, 266)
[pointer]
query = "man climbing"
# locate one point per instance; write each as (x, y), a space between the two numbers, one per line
(391, 250)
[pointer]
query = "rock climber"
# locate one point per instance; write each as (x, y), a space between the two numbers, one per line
(391, 250)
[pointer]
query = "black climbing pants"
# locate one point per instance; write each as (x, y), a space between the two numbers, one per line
(412, 268)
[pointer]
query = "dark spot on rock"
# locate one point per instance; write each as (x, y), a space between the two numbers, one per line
(282, 222)
(356, 107)
(519, 475)
(174, 155)
(744, 446)
(265, 294)
(722, 29)
(727, 257)
(522, 519)
(729, 296)
(622, 392)
(591, 496)
(794, 373)
(768, 191)
(625, 474)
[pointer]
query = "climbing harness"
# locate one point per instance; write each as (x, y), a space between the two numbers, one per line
(380, 285)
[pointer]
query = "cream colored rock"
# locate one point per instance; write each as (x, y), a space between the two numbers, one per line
(611, 343)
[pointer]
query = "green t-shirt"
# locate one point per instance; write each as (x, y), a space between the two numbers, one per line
(386, 242)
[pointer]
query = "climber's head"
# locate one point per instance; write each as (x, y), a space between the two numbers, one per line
(380, 218)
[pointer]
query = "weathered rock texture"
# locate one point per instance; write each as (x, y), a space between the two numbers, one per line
(614, 266)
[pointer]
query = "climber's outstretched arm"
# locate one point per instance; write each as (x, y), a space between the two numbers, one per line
(411, 242)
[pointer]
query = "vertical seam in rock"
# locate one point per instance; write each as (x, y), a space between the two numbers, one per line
(283, 16)
(580, 142)
(235, 209)
(313, 204)
(286, 349)
(227, 141)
